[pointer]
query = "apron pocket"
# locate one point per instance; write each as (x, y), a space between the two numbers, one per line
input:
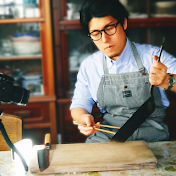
(111, 95)
(129, 96)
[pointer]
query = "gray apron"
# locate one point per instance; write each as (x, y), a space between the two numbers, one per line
(121, 95)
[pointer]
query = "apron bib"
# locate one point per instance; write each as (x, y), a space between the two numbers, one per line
(121, 95)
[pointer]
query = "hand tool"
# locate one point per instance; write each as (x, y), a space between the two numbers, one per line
(43, 155)
(101, 125)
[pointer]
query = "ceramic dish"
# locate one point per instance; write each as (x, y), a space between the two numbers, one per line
(165, 4)
(25, 38)
(26, 48)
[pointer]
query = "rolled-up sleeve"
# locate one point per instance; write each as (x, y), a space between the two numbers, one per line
(82, 97)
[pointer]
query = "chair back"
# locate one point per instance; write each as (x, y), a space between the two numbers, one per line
(13, 127)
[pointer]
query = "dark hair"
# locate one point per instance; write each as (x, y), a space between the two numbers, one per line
(102, 8)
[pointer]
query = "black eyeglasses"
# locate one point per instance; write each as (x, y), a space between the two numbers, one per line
(109, 30)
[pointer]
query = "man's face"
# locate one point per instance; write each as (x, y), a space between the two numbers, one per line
(112, 45)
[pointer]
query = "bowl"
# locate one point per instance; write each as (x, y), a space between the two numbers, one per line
(165, 4)
(25, 38)
(165, 7)
(28, 77)
(26, 47)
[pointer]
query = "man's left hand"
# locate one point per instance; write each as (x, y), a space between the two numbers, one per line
(158, 75)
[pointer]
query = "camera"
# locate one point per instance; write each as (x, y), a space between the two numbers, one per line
(10, 93)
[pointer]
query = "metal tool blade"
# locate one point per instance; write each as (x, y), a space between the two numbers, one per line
(161, 49)
(135, 121)
(43, 155)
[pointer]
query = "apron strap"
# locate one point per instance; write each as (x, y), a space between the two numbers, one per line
(137, 58)
(105, 68)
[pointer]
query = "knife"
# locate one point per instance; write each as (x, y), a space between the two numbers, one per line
(43, 155)
(139, 116)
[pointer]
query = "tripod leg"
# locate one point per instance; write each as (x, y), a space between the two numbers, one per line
(4, 133)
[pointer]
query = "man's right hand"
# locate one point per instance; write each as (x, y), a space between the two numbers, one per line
(87, 124)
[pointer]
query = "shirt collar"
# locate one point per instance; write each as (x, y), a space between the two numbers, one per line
(123, 58)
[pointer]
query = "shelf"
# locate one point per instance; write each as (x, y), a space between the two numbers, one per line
(69, 24)
(20, 58)
(21, 20)
(25, 5)
(64, 100)
(72, 70)
(42, 98)
(134, 22)
(37, 125)
(39, 98)
(152, 22)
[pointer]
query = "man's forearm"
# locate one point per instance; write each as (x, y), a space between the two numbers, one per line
(77, 113)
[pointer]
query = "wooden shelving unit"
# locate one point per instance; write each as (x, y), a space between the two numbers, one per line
(39, 115)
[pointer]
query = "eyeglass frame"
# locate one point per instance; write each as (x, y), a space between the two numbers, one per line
(104, 31)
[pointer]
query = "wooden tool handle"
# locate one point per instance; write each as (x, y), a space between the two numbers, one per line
(106, 131)
(108, 126)
(47, 138)
(101, 125)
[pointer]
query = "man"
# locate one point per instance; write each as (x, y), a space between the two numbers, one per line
(118, 76)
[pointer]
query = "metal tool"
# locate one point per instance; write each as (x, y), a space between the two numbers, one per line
(43, 155)
(161, 49)
(139, 116)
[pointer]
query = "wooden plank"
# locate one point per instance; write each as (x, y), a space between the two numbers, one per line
(95, 157)
(13, 127)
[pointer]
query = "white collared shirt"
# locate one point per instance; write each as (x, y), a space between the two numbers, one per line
(91, 71)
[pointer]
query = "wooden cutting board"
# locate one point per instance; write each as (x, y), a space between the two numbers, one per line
(95, 157)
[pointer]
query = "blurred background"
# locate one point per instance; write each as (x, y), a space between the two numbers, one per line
(42, 46)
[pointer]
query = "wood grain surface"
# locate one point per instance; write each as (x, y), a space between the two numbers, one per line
(84, 157)
(13, 127)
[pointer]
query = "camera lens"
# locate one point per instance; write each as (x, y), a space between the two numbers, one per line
(10, 93)
(20, 96)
